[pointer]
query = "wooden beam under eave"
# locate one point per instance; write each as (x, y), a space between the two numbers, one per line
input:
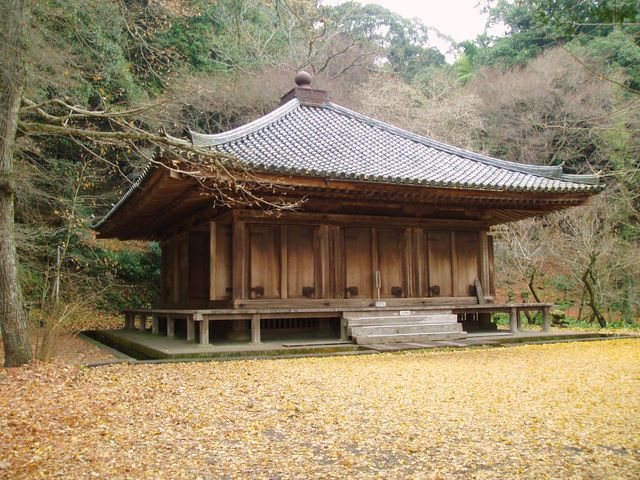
(256, 216)
(136, 199)
(405, 189)
(174, 205)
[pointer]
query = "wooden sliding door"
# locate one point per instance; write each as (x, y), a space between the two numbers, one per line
(440, 273)
(264, 261)
(467, 262)
(300, 261)
(358, 263)
(391, 246)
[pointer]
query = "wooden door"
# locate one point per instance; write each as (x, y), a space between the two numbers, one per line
(199, 263)
(222, 265)
(300, 262)
(439, 254)
(358, 262)
(391, 244)
(183, 269)
(264, 261)
(467, 262)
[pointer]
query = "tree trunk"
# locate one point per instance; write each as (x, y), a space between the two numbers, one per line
(14, 17)
(534, 292)
(592, 297)
(581, 304)
(532, 287)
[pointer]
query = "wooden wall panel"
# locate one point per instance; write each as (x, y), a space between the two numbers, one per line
(183, 269)
(300, 260)
(467, 262)
(199, 262)
(239, 255)
(439, 262)
(420, 263)
(391, 261)
(165, 273)
(264, 263)
(175, 270)
(321, 265)
(358, 261)
(336, 263)
(222, 275)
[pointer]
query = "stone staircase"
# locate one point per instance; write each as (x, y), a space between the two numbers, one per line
(368, 328)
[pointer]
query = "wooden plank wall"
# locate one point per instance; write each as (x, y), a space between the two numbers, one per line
(221, 267)
(440, 265)
(199, 264)
(239, 260)
(467, 262)
(264, 261)
(391, 261)
(358, 262)
(301, 263)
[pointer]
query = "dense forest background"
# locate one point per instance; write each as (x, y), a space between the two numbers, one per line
(561, 87)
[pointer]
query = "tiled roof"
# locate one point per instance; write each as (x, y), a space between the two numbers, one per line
(330, 141)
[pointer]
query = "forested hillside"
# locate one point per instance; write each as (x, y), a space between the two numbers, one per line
(563, 86)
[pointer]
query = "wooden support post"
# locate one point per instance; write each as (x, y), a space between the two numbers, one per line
(484, 266)
(212, 261)
(343, 329)
(255, 328)
(409, 262)
(321, 261)
(175, 273)
(171, 327)
(155, 324)
(284, 271)
(454, 266)
(143, 322)
(546, 319)
(191, 329)
(204, 332)
(513, 320)
(130, 321)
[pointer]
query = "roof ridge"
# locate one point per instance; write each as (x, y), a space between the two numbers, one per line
(203, 140)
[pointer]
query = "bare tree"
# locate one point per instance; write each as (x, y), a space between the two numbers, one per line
(525, 243)
(584, 240)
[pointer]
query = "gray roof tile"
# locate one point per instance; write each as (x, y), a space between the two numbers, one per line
(332, 141)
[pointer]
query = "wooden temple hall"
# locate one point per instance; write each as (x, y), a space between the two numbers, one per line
(392, 242)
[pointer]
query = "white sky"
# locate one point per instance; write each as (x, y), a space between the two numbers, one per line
(460, 19)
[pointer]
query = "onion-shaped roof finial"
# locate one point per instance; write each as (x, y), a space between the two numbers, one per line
(303, 79)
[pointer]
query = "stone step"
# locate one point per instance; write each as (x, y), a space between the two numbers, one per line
(401, 320)
(403, 328)
(395, 313)
(409, 337)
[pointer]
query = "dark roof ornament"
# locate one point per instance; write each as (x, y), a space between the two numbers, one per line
(304, 93)
(303, 79)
